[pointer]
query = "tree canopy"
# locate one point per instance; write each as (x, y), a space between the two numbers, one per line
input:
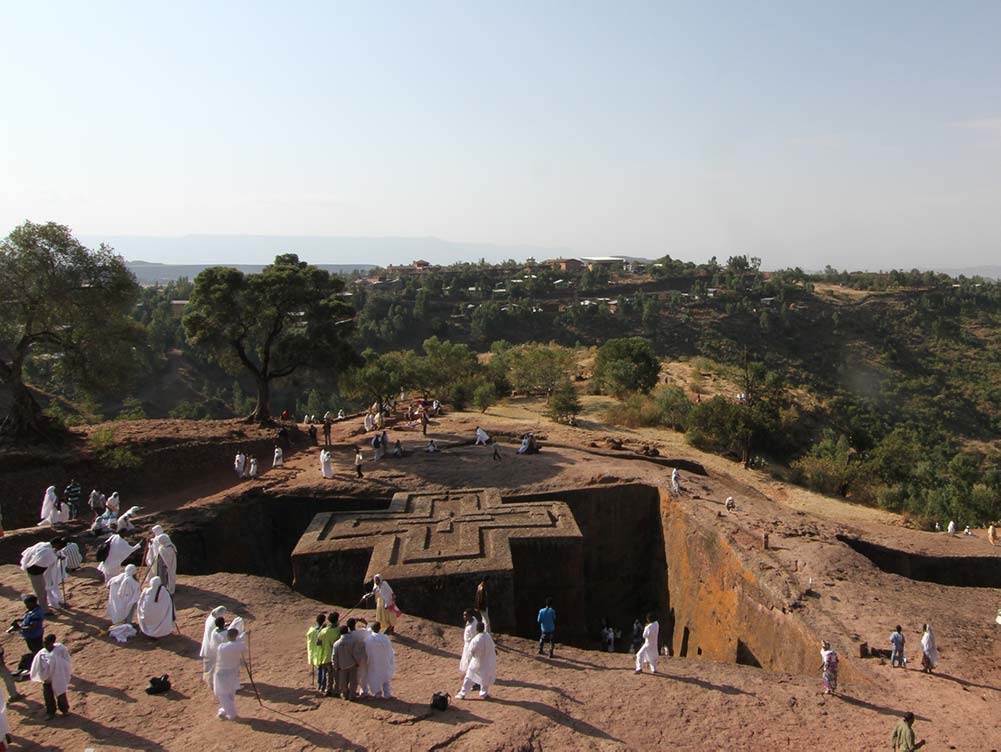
(270, 324)
(627, 364)
(64, 302)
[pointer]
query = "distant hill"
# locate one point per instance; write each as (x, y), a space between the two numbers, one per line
(151, 272)
(988, 272)
(324, 251)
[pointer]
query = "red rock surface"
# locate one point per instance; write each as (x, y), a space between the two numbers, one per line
(582, 699)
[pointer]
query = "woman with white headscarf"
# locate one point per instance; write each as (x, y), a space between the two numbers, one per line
(51, 512)
(156, 610)
(929, 651)
(113, 504)
(151, 546)
(166, 561)
(123, 593)
(209, 643)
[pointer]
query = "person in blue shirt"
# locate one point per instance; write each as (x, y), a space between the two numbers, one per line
(547, 623)
(32, 628)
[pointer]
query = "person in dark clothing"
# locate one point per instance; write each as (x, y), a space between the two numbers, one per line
(32, 629)
(312, 434)
(72, 494)
(326, 433)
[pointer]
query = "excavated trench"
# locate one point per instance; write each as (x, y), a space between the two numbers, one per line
(642, 551)
(955, 571)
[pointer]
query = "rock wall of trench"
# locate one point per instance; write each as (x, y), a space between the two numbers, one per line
(721, 609)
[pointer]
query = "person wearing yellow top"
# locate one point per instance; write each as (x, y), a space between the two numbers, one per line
(327, 636)
(313, 644)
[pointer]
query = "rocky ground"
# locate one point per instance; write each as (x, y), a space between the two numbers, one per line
(579, 700)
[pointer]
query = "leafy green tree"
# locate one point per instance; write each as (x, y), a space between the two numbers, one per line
(383, 376)
(484, 396)
(534, 368)
(61, 300)
(445, 364)
(563, 402)
(674, 407)
(270, 324)
(626, 365)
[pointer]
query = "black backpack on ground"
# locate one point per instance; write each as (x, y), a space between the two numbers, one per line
(158, 685)
(439, 701)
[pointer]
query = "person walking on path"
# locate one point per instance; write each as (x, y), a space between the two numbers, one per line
(547, 625)
(903, 735)
(358, 462)
(648, 650)
(51, 668)
(829, 668)
(897, 654)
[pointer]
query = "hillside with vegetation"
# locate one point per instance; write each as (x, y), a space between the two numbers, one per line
(882, 388)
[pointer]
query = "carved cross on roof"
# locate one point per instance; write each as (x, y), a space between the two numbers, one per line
(440, 533)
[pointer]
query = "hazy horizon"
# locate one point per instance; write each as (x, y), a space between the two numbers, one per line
(859, 135)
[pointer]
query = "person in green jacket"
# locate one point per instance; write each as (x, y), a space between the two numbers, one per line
(903, 735)
(326, 678)
(313, 644)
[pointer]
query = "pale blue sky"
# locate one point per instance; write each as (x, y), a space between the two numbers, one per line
(861, 134)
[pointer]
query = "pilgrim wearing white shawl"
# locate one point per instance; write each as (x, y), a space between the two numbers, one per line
(482, 437)
(226, 678)
(51, 667)
(381, 663)
(123, 594)
(156, 610)
(648, 651)
(239, 463)
(929, 651)
(36, 560)
(113, 504)
(166, 561)
(482, 664)
(54, 578)
(119, 550)
(467, 637)
(326, 466)
(279, 460)
(385, 604)
(52, 510)
(209, 643)
(151, 546)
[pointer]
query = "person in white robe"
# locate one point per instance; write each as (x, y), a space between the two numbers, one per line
(119, 550)
(226, 676)
(166, 561)
(51, 667)
(381, 662)
(253, 468)
(482, 437)
(386, 611)
(676, 481)
(952, 527)
(239, 463)
(208, 649)
(279, 460)
(50, 507)
(123, 594)
(151, 545)
(467, 637)
(929, 650)
(482, 668)
(36, 560)
(648, 650)
(124, 523)
(326, 463)
(369, 423)
(113, 503)
(55, 575)
(155, 610)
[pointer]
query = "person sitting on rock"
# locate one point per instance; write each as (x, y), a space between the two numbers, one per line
(432, 446)
(482, 437)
